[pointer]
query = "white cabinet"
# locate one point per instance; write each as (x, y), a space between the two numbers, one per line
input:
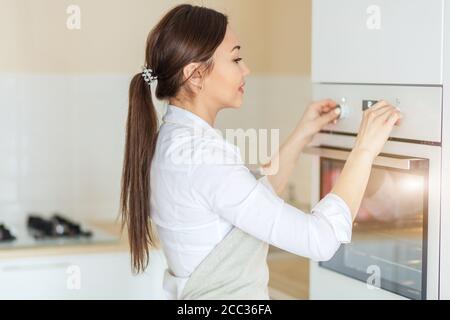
(88, 276)
(377, 41)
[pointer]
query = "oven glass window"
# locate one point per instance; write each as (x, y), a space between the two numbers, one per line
(388, 247)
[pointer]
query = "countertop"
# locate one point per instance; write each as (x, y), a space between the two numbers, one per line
(112, 227)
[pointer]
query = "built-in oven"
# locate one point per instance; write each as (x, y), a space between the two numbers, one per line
(394, 252)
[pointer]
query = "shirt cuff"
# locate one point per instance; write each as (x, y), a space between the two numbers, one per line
(338, 214)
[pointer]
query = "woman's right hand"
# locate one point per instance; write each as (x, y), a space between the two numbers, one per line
(376, 126)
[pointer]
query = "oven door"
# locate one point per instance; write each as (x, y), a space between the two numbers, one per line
(389, 241)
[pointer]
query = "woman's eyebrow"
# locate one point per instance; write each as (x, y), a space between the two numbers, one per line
(236, 47)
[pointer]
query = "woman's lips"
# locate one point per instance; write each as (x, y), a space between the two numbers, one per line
(241, 88)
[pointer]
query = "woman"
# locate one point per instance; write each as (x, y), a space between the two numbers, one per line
(214, 219)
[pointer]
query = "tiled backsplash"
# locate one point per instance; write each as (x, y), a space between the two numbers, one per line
(61, 143)
(62, 137)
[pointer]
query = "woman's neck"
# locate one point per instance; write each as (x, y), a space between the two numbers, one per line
(207, 114)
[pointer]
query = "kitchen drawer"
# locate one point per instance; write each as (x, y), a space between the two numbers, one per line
(421, 108)
(381, 41)
(88, 276)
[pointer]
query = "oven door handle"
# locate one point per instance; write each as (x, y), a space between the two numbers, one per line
(390, 161)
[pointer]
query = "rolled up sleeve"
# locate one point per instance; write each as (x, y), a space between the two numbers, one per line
(252, 205)
(337, 213)
(317, 235)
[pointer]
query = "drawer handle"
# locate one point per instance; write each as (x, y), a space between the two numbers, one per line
(32, 267)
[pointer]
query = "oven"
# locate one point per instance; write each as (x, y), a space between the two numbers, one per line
(394, 252)
(389, 248)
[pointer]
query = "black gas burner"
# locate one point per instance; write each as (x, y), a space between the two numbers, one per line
(5, 234)
(56, 226)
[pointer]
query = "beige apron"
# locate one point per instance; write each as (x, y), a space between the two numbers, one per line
(235, 269)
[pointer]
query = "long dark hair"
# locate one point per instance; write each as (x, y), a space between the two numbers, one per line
(184, 35)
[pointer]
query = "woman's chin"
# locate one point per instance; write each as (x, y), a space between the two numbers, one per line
(238, 103)
(237, 106)
(235, 103)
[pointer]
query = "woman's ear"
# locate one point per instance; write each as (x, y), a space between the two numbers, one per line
(194, 73)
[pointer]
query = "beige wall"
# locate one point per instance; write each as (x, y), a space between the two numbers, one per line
(289, 37)
(275, 35)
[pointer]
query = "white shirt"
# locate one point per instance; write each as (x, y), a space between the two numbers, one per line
(200, 189)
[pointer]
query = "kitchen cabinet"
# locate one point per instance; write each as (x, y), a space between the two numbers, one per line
(383, 41)
(83, 276)
(364, 51)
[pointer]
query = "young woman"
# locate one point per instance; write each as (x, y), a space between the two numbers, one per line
(214, 219)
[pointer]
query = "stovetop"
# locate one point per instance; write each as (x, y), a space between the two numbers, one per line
(56, 226)
(56, 229)
(5, 234)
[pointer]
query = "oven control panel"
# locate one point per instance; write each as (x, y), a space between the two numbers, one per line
(421, 107)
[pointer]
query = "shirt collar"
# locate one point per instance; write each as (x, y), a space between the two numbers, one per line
(187, 118)
(182, 116)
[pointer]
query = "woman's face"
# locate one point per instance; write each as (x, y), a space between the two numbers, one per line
(224, 86)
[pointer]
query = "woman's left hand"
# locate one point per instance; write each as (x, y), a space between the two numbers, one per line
(316, 116)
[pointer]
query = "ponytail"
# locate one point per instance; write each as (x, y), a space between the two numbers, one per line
(141, 136)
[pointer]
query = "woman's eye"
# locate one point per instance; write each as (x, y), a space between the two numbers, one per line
(237, 60)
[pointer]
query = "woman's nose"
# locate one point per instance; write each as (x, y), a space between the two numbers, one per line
(246, 70)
